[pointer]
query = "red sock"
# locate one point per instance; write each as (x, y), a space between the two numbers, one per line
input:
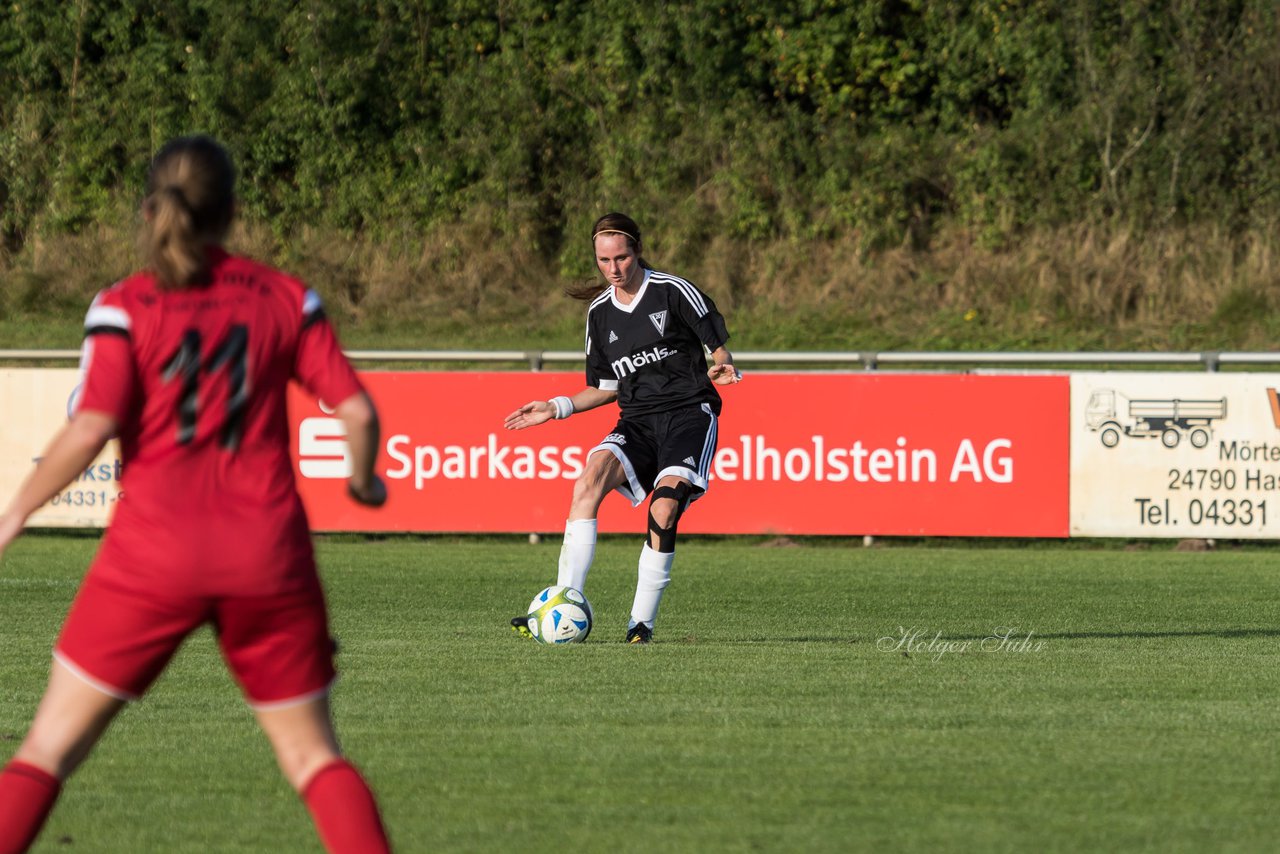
(344, 811)
(27, 796)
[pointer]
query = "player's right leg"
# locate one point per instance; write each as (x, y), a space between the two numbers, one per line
(339, 800)
(602, 474)
(70, 719)
(113, 645)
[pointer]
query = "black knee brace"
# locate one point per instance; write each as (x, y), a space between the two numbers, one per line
(667, 536)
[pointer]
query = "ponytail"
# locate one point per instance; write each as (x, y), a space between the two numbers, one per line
(175, 250)
(188, 209)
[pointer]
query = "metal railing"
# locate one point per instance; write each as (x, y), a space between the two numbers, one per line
(867, 360)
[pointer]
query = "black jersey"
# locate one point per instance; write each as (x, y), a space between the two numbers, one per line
(650, 351)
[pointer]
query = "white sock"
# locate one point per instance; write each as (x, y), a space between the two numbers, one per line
(576, 554)
(652, 579)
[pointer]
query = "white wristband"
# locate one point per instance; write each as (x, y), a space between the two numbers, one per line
(563, 407)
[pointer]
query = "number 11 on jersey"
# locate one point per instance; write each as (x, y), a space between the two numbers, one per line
(185, 364)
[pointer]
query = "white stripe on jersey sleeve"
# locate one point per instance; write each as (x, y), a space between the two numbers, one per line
(608, 385)
(310, 304)
(690, 293)
(109, 316)
(600, 300)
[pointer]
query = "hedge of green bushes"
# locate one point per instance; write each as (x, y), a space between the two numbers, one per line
(885, 119)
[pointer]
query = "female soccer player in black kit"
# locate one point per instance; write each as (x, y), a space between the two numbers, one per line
(645, 336)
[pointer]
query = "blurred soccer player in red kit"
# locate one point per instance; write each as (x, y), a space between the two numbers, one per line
(187, 362)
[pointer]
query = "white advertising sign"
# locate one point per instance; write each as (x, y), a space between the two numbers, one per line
(1175, 455)
(33, 406)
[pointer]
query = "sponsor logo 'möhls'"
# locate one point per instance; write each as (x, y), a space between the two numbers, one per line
(630, 364)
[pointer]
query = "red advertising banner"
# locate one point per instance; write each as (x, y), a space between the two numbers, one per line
(799, 453)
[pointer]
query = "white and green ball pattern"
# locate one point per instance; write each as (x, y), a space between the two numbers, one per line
(560, 615)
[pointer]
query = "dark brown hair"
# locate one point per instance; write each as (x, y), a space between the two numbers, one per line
(189, 204)
(610, 223)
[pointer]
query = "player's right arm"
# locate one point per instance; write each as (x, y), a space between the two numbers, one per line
(107, 386)
(602, 388)
(72, 450)
(536, 412)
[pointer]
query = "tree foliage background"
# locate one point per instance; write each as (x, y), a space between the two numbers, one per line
(884, 122)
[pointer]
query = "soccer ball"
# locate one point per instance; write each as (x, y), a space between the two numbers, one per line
(560, 615)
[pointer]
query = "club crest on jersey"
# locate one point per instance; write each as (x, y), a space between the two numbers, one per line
(613, 336)
(659, 319)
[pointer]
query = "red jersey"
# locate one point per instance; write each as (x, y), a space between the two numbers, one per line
(196, 378)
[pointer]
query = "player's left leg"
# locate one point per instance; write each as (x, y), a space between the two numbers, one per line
(70, 719)
(337, 796)
(280, 651)
(688, 445)
(669, 500)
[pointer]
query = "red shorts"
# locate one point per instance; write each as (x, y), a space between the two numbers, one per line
(277, 647)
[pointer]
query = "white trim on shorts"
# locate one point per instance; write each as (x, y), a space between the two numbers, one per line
(97, 684)
(688, 474)
(635, 493)
(276, 705)
(631, 490)
(701, 477)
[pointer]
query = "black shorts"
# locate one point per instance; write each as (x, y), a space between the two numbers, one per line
(651, 447)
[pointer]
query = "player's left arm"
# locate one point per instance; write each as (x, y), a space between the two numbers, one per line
(74, 447)
(360, 418)
(699, 312)
(326, 373)
(722, 371)
(319, 363)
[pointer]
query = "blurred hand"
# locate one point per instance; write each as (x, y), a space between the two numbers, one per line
(530, 415)
(725, 374)
(10, 528)
(374, 494)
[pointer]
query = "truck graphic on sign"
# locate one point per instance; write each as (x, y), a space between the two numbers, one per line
(1111, 415)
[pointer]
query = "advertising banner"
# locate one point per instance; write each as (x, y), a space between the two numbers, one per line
(799, 453)
(33, 406)
(1175, 455)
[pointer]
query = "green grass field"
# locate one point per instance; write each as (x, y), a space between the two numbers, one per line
(770, 714)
